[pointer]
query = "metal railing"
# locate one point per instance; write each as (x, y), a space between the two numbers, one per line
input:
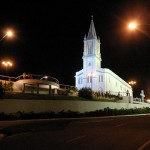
(7, 78)
(64, 86)
(29, 76)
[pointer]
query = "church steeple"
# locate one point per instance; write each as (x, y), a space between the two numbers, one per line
(91, 54)
(92, 32)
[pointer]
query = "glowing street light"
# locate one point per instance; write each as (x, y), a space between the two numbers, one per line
(132, 82)
(7, 64)
(45, 77)
(135, 25)
(132, 26)
(9, 33)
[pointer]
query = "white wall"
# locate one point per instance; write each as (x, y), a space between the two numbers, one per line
(111, 82)
(12, 106)
(115, 84)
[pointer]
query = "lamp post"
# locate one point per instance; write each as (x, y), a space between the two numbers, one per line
(136, 26)
(7, 64)
(132, 83)
(8, 33)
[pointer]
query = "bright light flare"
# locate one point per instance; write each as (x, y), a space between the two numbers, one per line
(148, 101)
(8, 63)
(9, 33)
(45, 77)
(132, 26)
(132, 82)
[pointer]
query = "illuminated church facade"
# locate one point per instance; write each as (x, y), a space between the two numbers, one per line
(92, 75)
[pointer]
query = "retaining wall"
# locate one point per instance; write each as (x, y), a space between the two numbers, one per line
(12, 106)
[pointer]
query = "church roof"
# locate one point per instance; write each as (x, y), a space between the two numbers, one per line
(92, 32)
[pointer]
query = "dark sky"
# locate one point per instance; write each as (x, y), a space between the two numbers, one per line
(49, 38)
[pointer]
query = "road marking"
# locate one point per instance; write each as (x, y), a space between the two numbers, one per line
(74, 139)
(144, 145)
(120, 125)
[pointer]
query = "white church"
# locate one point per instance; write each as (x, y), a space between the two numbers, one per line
(92, 75)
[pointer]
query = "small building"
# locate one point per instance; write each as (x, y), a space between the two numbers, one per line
(92, 75)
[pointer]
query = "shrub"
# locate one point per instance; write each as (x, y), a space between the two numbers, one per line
(85, 93)
(1, 91)
(10, 86)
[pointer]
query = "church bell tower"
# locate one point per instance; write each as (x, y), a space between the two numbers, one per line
(91, 55)
(92, 75)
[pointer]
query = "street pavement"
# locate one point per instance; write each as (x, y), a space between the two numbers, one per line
(111, 133)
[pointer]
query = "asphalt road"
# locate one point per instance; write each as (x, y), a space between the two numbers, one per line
(114, 133)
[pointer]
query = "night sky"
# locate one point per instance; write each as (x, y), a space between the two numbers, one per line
(49, 38)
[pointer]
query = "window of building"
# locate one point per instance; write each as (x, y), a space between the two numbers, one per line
(90, 79)
(87, 79)
(81, 80)
(78, 80)
(100, 78)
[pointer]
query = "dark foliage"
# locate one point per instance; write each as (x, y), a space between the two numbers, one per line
(73, 114)
(85, 93)
(1, 91)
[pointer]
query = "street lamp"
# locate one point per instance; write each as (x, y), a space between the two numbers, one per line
(132, 26)
(132, 82)
(136, 26)
(7, 64)
(45, 77)
(9, 33)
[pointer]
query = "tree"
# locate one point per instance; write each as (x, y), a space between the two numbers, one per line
(85, 93)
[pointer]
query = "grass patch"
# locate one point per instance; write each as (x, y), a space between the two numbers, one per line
(106, 100)
(29, 96)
